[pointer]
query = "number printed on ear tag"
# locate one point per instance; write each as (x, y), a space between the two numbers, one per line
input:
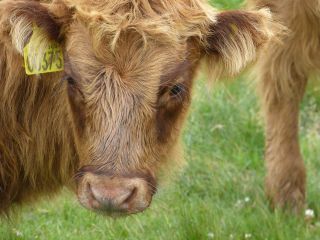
(41, 55)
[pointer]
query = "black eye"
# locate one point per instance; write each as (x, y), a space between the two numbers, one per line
(176, 90)
(70, 80)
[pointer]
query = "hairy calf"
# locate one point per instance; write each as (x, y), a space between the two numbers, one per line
(283, 74)
(108, 123)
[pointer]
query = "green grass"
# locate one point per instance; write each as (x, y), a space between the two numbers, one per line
(219, 195)
(226, 4)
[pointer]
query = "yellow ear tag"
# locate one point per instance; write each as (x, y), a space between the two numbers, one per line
(234, 28)
(41, 55)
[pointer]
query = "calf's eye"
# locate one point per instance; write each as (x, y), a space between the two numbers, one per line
(70, 80)
(176, 90)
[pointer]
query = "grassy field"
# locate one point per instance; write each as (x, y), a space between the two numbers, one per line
(220, 193)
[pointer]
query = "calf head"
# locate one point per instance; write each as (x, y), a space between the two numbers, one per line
(129, 70)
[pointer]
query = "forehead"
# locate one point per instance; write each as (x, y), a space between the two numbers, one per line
(168, 21)
(134, 38)
(131, 57)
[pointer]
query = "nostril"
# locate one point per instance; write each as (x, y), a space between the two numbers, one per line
(131, 196)
(88, 188)
(93, 201)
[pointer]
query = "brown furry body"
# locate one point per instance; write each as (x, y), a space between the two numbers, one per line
(113, 117)
(283, 73)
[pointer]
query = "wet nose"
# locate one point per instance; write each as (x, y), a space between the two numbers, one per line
(112, 198)
(115, 195)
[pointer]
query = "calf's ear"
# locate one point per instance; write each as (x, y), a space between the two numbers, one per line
(234, 40)
(19, 17)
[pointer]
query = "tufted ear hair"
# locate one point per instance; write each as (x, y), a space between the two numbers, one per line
(234, 39)
(17, 19)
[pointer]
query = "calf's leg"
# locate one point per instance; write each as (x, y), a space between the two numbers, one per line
(286, 177)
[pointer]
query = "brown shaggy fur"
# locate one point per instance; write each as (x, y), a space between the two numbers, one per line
(119, 105)
(283, 72)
